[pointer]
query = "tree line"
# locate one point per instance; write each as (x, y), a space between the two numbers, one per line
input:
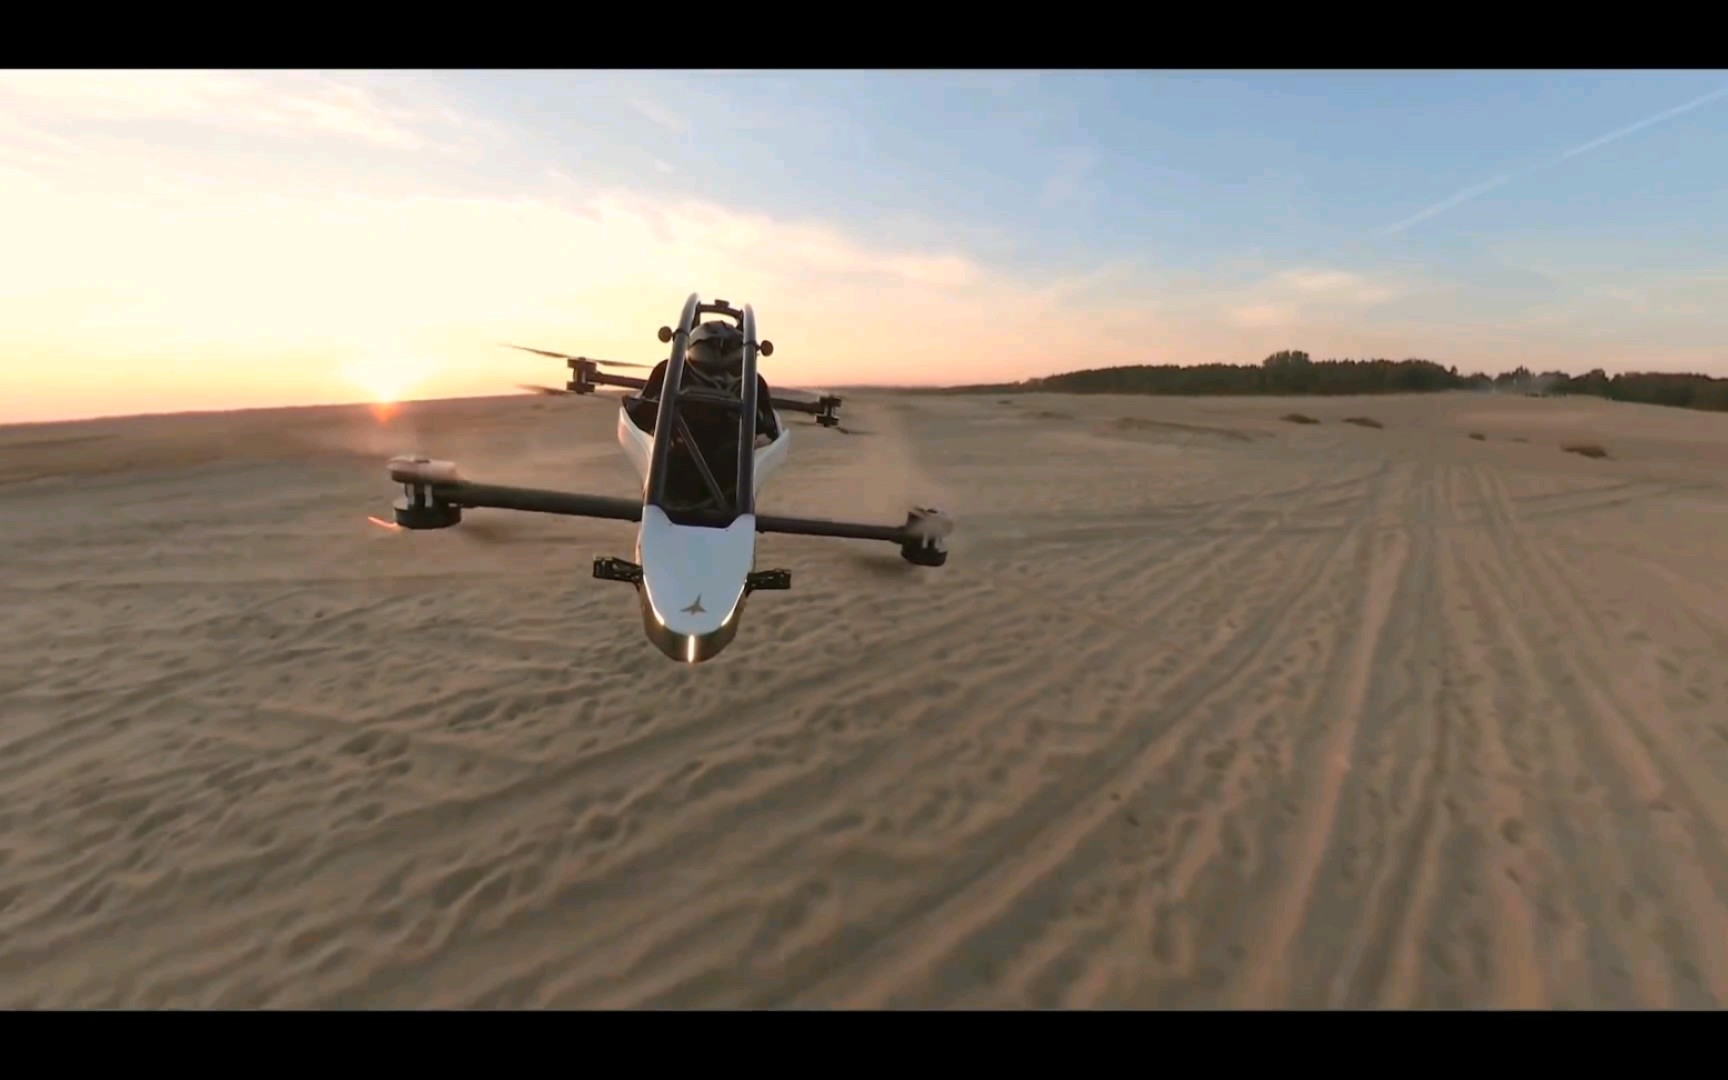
(1292, 371)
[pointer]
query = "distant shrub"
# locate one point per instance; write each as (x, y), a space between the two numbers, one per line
(1363, 421)
(1298, 418)
(1589, 450)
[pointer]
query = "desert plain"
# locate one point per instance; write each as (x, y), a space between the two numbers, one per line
(1208, 709)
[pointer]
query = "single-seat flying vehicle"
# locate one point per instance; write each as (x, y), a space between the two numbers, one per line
(704, 432)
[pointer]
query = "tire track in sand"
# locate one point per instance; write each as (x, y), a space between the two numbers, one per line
(1567, 869)
(1471, 934)
(990, 888)
(1581, 663)
(1409, 749)
(1393, 574)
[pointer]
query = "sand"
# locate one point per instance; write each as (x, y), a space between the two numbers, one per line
(1207, 709)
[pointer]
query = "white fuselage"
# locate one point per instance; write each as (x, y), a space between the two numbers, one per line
(694, 577)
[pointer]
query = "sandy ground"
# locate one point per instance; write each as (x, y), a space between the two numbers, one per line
(1207, 709)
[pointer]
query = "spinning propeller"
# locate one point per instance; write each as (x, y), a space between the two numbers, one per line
(583, 366)
(586, 366)
(584, 359)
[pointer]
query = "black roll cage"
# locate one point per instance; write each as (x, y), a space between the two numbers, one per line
(670, 420)
(670, 417)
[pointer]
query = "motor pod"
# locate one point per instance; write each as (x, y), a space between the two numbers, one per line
(929, 529)
(415, 512)
(419, 508)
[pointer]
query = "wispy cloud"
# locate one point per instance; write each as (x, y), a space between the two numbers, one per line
(289, 103)
(660, 115)
(1477, 190)
(1290, 295)
(1336, 286)
(1302, 299)
(1264, 315)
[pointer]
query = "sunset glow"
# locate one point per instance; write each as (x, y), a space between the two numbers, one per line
(386, 380)
(193, 240)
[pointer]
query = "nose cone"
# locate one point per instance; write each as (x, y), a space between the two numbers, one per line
(693, 582)
(683, 644)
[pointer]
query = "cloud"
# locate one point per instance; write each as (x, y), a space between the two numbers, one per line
(280, 103)
(659, 114)
(1672, 307)
(1264, 315)
(1307, 295)
(149, 294)
(1335, 286)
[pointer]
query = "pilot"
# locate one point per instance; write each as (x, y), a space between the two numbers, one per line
(715, 358)
(716, 352)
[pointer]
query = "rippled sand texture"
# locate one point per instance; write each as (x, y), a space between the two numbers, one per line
(1208, 708)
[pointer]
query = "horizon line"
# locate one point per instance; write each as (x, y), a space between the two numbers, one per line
(360, 403)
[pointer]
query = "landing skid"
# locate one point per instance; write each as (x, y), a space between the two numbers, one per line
(610, 569)
(761, 580)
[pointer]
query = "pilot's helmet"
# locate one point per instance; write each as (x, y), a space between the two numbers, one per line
(716, 346)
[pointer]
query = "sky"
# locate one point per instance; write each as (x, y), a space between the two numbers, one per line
(180, 240)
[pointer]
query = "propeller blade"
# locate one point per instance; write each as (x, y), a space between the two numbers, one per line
(537, 352)
(549, 391)
(567, 356)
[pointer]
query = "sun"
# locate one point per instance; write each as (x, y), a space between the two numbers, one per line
(385, 379)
